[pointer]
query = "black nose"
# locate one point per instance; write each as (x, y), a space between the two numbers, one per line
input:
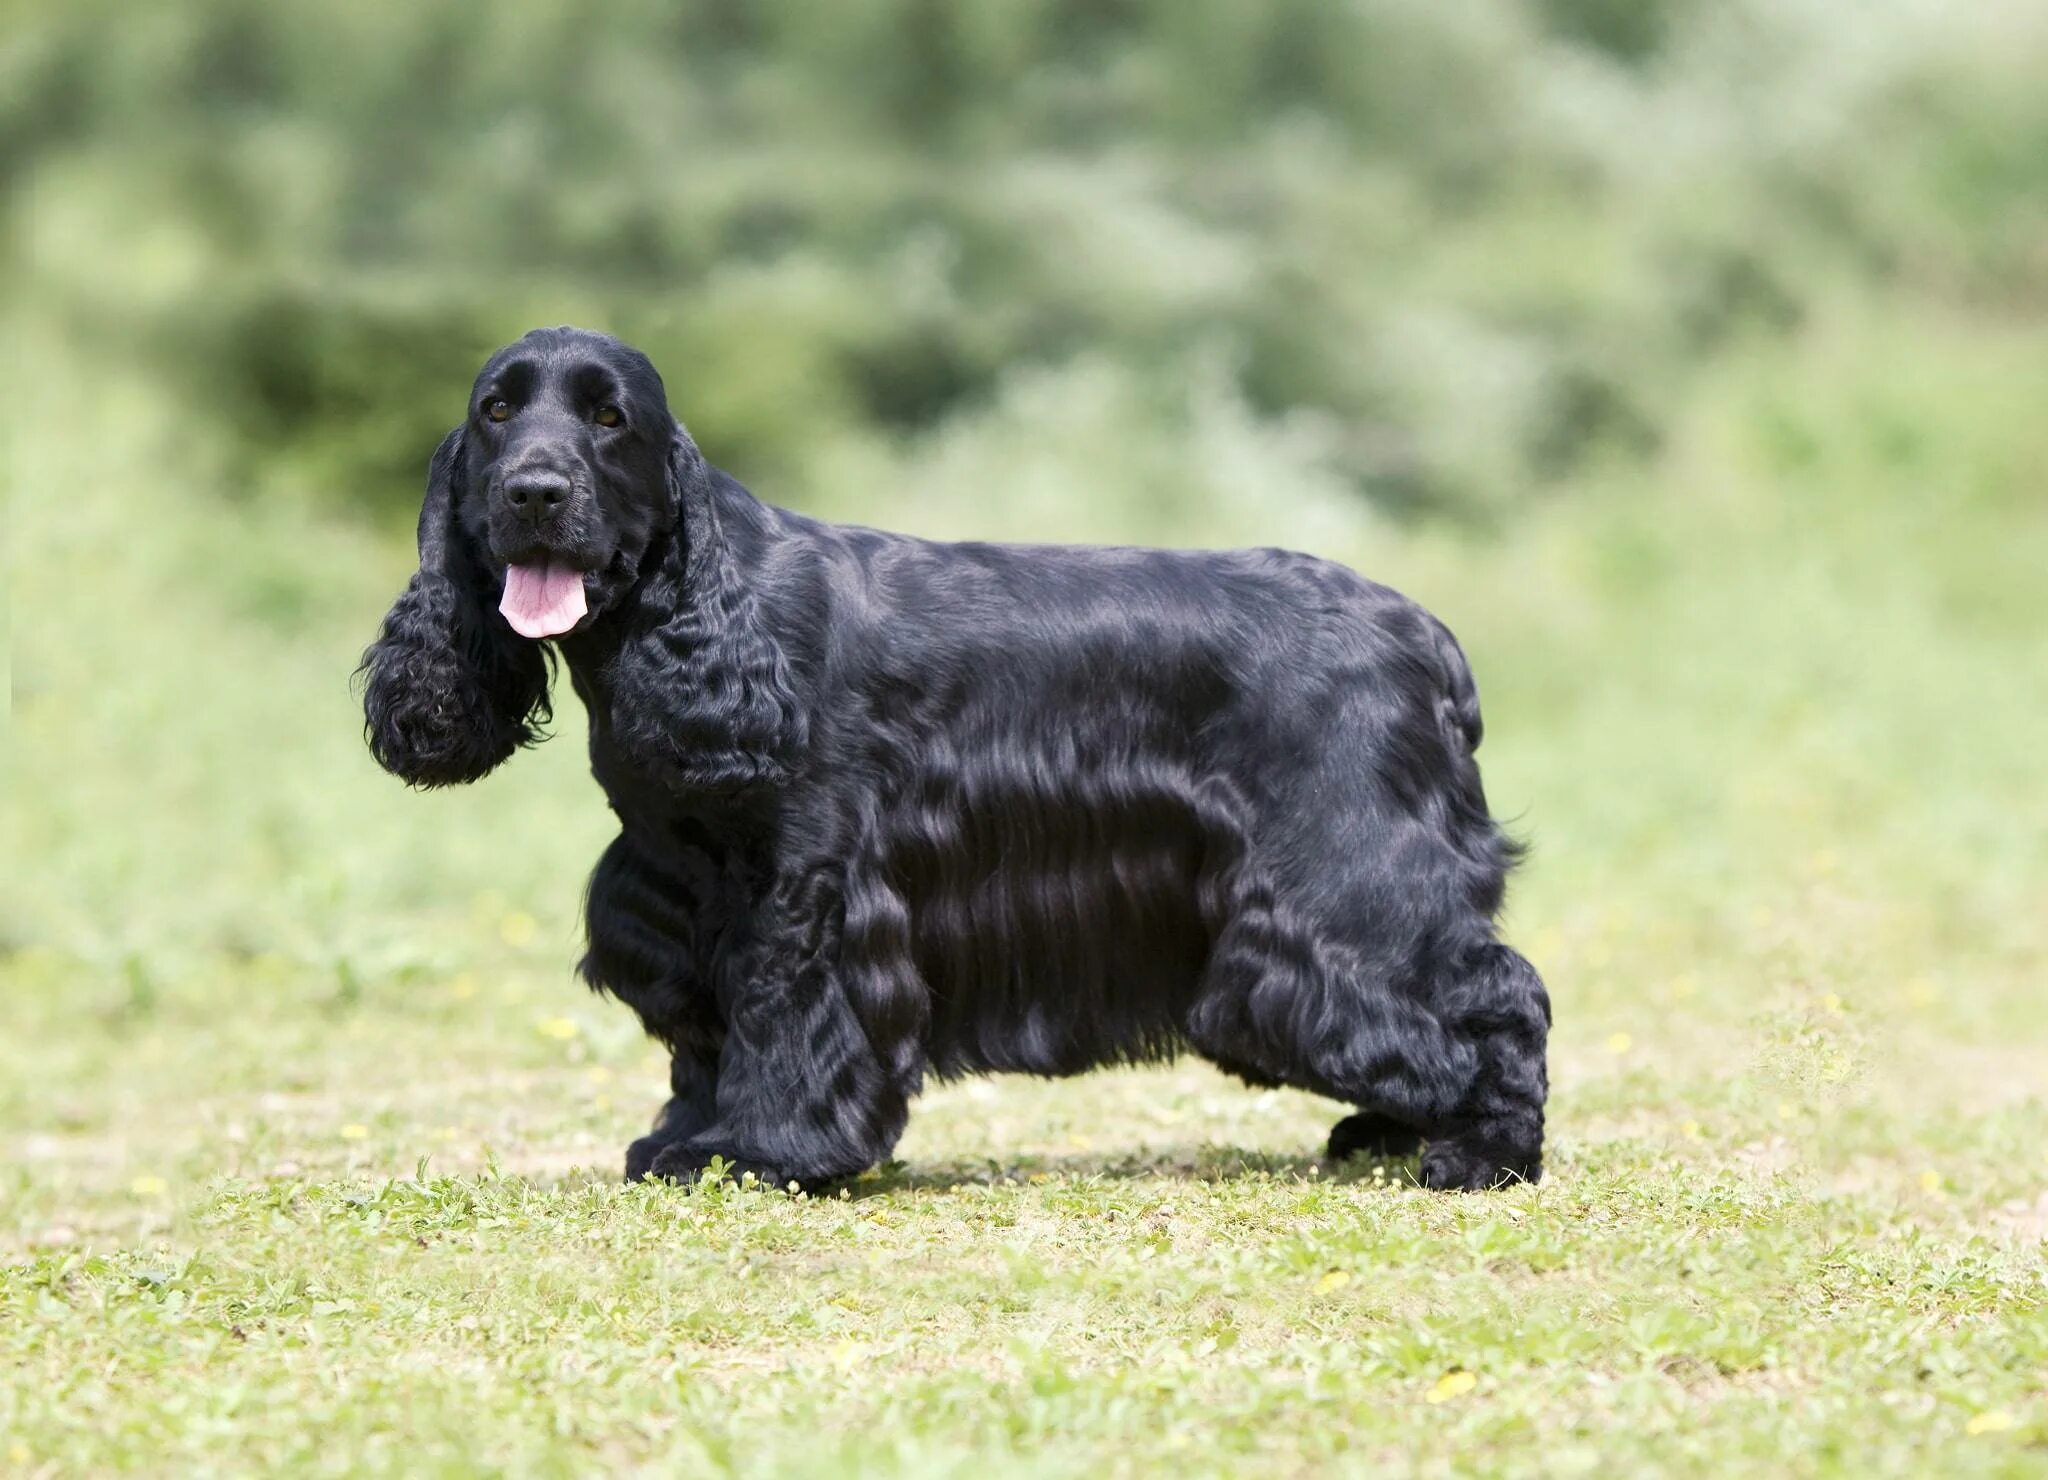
(534, 495)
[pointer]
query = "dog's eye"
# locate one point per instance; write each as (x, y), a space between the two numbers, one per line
(497, 409)
(608, 416)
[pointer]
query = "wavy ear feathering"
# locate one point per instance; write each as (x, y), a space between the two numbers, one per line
(702, 693)
(449, 692)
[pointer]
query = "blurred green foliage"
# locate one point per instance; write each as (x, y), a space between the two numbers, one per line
(1685, 355)
(1439, 256)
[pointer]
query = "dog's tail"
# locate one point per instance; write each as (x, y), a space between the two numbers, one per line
(1457, 705)
(1457, 718)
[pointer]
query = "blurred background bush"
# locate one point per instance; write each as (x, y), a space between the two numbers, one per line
(1435, 258)
(1684, 354)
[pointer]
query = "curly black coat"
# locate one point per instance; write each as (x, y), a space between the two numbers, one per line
(888, 805)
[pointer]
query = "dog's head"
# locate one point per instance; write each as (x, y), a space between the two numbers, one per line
(567, 471)
(541, 509)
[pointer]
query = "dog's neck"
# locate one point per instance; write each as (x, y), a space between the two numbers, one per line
(688, 688)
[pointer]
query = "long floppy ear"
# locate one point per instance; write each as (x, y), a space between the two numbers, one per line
(701, 690)
(449, 690)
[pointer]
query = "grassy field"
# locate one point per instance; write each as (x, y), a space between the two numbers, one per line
(308, 1140)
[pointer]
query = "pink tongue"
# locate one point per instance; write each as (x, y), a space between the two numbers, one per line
(544, 599)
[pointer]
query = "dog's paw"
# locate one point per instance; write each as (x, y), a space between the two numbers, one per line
(675, 1162)
(641, 1154)
(1366, 1134)
(1475, 1163)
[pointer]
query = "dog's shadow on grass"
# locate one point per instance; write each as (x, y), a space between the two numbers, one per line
(1208, 1163)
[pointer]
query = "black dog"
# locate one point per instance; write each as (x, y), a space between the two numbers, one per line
(889, 805)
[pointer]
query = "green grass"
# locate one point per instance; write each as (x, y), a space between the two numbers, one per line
(308, 1139)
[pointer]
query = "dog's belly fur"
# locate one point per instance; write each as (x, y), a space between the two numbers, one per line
(1056, 932)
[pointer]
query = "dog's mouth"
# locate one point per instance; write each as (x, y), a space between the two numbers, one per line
(543, 597)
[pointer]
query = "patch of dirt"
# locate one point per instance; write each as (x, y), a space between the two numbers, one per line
(2023, 1220)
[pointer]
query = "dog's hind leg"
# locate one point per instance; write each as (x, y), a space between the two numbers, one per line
(1497, 1003)
(1448, 1050)
(1369, 1133)
(1283, 1003)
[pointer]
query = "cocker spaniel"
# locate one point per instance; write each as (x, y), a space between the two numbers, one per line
(889, 806)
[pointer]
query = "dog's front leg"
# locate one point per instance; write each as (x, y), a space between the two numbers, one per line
(801, 1094)
(692, 1105)
(643, 912)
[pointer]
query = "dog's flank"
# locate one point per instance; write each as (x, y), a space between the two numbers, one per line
(890, 806)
